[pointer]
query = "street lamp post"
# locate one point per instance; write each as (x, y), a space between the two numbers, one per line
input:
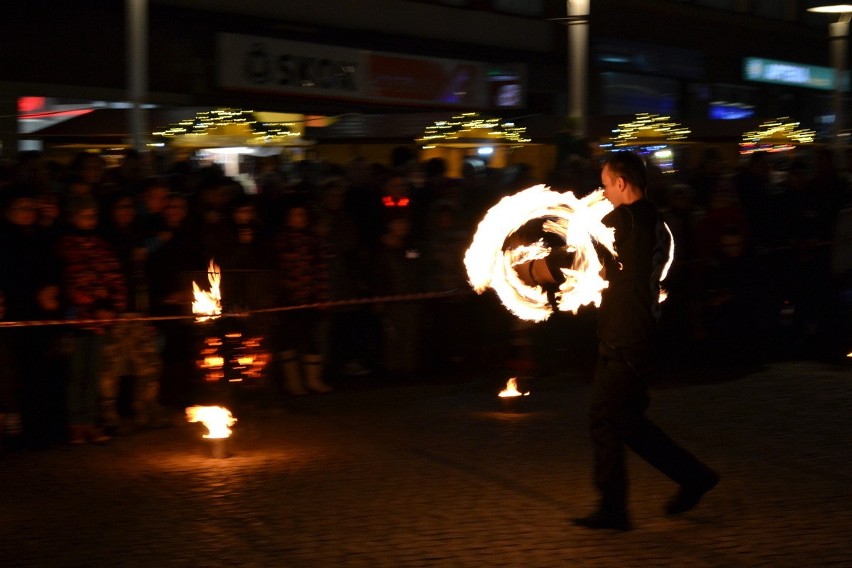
(137, 68)
(838, 35)
(577, 21)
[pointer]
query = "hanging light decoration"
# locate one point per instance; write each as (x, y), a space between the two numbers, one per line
(470, 129)
(230, 121)
(648, 129)
(652, 136)
(777, 135)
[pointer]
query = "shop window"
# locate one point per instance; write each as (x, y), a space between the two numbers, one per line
(627, 93)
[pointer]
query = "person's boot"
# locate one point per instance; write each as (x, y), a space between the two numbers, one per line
(95, 435)
(147, 410)
(109, 389)
(292, 372)
(689, 495)
(77, 434)
(313, 374)
(110, 417)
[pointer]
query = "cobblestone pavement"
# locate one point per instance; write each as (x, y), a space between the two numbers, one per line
(443, 475)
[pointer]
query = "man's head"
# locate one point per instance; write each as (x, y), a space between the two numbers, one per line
(624, 178)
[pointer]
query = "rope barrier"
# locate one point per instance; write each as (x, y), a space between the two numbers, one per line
(322, 305)
(244, 313)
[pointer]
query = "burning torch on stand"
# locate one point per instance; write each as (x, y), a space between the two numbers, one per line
(218, 421)
(207, 306)
(510, 395)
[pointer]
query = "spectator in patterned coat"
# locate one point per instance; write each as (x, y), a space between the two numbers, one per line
(303, 264)
(130, 351)
(94, 288)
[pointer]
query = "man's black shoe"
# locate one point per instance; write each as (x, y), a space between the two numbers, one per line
(602, 520)
(688, 496)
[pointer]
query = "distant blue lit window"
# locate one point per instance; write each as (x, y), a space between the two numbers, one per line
(727, 111)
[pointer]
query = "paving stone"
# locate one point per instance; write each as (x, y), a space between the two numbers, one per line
(442, 475)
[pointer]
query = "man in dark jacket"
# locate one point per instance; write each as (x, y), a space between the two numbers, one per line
(626, 323)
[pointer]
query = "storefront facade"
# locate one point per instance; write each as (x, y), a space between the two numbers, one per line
(381, 57)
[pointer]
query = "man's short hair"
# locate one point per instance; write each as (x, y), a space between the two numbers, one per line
(628, 165)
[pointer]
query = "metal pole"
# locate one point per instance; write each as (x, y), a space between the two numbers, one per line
(838, 34)
(136, 14)
(578, 57)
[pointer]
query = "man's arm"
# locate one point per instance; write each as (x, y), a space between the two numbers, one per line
(546, 272)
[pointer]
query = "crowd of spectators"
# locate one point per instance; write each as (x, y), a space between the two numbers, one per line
(761, 269)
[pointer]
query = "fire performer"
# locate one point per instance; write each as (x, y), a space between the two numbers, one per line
(626, 322)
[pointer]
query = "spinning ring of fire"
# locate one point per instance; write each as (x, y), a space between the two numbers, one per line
(572, 221)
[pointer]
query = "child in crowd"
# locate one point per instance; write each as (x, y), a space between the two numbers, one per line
(94, 288)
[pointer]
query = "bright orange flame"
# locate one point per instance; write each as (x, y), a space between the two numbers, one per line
(208, 305)
(217, 419)
(512, 389)
(214, 361)
(576, 221)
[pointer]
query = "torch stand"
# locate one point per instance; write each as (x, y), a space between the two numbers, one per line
(218, 448)
(212, 385)
(513, 404)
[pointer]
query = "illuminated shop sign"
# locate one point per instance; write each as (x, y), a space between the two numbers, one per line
(259, 64)
(722, 110)
(788, 73)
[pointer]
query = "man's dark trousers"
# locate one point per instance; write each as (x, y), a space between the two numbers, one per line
(617, 418)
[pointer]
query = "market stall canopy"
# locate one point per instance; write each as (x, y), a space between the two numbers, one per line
(402, 128)
(228, 128)
(470, 130)
(777, 135)
(647, 130)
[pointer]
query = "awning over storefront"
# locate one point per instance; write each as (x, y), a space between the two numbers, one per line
(99, 127)
(231, 128)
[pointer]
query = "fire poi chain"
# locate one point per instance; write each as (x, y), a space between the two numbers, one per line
(576, 222)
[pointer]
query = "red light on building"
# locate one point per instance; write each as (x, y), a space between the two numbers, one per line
(30, 104)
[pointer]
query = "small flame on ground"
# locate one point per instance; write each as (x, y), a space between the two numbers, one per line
(512, 389)
(217, 419)
(208, 305)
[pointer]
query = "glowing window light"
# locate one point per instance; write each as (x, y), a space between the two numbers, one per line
(648, 126)
(210, 122)
(471, 126)
(777, 135)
